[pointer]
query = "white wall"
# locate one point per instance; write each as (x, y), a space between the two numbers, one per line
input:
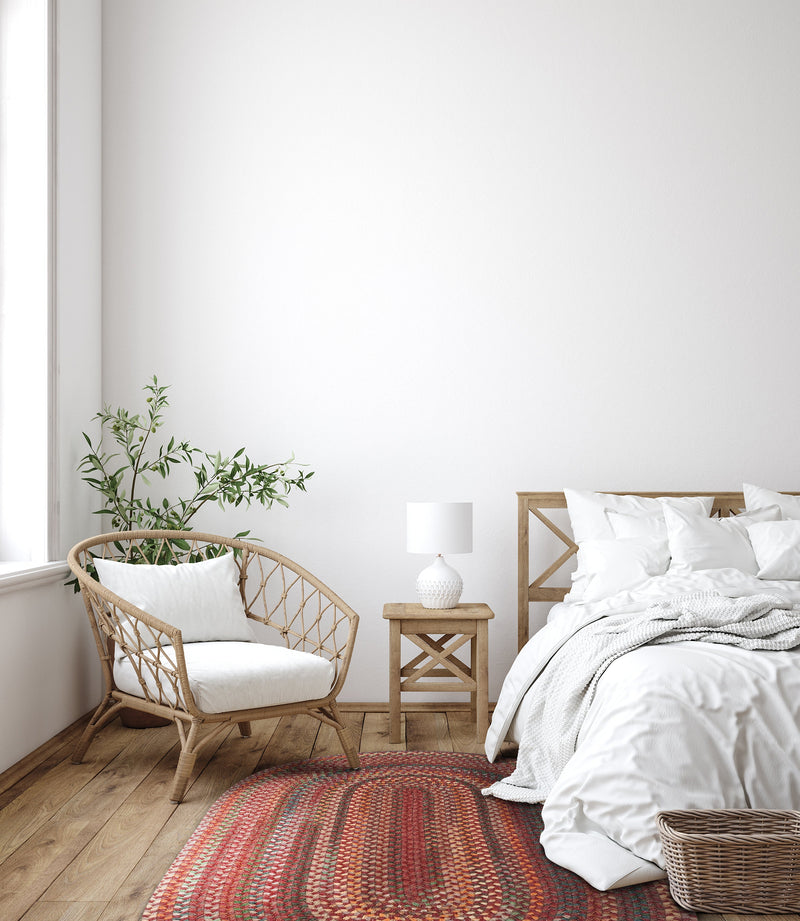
(48, 664)
(450, 250)
(49, 672)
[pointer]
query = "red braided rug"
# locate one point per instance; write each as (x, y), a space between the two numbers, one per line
(408, 837)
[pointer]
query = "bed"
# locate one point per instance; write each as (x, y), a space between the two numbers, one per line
(667, 675)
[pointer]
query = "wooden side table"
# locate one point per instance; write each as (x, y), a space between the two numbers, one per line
(437, 660)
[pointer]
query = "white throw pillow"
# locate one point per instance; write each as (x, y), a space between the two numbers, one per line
(616, 565)
(776, 545)
(589, 519)
(201, 599)
(714, 543)
(756, 497)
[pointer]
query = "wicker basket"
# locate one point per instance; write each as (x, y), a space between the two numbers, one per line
(745, 861)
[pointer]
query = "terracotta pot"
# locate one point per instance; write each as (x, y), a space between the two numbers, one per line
(136, 719)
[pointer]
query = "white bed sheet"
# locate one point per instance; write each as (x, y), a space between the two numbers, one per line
(684, 726)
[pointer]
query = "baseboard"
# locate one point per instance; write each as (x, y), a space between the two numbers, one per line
(426, 706)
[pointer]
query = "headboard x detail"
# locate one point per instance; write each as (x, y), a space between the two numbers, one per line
(540, 505)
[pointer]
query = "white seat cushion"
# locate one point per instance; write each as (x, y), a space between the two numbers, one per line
(241, 676)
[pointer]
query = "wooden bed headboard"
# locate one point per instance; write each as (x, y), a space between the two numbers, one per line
(538, 504)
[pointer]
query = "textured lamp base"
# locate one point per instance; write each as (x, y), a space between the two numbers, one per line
(439, 585)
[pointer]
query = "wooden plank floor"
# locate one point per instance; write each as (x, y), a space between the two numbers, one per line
(90, 842)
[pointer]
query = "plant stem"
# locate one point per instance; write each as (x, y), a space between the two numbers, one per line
(139, 456)
(117, 508)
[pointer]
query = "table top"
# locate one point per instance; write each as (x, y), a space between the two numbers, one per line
(413, 611)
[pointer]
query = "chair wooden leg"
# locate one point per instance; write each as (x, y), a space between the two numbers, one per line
(103, 715)
(345, 739)
(186, 761)
(245, 730)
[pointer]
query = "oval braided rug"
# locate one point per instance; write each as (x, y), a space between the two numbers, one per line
(408, 837)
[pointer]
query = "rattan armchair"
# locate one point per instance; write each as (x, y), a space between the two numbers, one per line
(299, 611)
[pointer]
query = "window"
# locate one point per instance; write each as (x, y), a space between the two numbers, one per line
(25, 282)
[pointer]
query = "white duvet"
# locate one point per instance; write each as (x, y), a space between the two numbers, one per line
(690, 725)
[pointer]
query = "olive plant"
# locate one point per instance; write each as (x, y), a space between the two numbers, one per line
(123, 472)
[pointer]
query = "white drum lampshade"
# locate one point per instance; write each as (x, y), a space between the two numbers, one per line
(439, 527)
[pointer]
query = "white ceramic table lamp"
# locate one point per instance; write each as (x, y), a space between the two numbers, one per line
(439, 527)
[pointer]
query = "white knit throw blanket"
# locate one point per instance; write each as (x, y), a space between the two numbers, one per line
(565, 688)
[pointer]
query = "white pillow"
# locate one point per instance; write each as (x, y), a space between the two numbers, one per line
(755, 497)
(587, 510)
(714, 543)
(201, 599)
(776, 545)
(589, 520)
(649, 524)
(621, 564)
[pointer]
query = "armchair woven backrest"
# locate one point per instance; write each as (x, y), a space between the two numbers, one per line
(276, 592)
